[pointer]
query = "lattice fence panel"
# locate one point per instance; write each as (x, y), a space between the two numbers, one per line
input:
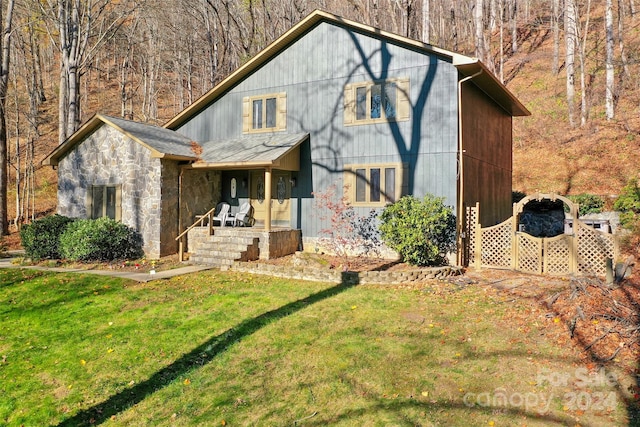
(594, 247)
(496, 245)
(557, 254)
(529, 253)
(472, 220)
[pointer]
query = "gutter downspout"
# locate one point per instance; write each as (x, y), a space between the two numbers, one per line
(460, 229)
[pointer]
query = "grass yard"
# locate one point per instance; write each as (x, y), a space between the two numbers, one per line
(227, 349)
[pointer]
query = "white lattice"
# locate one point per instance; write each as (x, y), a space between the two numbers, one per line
(557, 251)
(529, 253)
(594, 247)
(496, 245)
(472, 220)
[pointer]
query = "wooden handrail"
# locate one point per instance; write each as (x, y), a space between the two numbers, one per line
(207, 215)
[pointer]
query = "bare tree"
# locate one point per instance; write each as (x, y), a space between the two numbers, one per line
(426, 23)
(479, 33)
(5, 53)
(570, 32)
(555, 17)
(81, 27)
(608, 23)
(584, 90)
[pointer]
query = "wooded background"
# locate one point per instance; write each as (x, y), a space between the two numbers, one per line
(64, 60)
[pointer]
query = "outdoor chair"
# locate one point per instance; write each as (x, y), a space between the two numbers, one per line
(244, 217)
(221, 214)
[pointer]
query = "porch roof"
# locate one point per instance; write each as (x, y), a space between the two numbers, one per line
(251, 151)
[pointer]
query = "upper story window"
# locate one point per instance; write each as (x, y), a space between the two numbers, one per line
(264, 113)
(105, 200)
(378, 101)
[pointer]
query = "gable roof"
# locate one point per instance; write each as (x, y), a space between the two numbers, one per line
(466, 65)
(162, 142)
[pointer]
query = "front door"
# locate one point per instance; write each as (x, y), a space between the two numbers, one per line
(280, 198)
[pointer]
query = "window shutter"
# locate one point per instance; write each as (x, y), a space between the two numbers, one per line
(246, 114)
(349, 104)
(89, 204)
(403, 111)
(403, 181)
(281, 120)
(119, 202)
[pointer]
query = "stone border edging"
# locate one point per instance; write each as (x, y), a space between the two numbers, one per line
(348, 277)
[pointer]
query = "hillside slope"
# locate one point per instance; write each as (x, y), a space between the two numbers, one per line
(549, 156)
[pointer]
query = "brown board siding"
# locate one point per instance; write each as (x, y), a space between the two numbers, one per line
(487, 159)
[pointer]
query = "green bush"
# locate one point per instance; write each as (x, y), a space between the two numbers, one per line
(516, 196)
(101, 239)
(41, 238)
(588, 203)
(628, 203)
(421, 231)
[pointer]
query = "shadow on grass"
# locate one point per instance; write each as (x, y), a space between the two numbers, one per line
(196, 358)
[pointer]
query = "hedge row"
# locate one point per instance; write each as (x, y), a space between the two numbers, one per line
(102, 239)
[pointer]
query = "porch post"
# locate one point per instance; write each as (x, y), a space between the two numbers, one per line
(267, 198)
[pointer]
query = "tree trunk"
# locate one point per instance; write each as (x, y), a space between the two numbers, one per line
(584, 89)
(425, 21)
(608, 19)
(514, 26)
(4, 83)
(555, 14)
(479, 34)
(623, 53)
(570, 29)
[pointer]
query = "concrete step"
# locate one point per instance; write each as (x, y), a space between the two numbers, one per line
(208, 260)
(233, 255)
(222, 246)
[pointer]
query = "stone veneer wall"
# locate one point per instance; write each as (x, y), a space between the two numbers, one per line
(169, 202)
(108, 157)
(201, 191)
(279, 243)
(348, 277)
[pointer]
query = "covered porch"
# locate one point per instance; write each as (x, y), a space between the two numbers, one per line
(261, 170)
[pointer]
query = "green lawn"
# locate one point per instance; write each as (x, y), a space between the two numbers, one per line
(228, 349)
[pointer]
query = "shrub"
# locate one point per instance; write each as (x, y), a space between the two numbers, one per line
(101, 239)
(516, 196)
(41, 238)
(421, 231)
(588, 203)
(349, 234)
(628, 203)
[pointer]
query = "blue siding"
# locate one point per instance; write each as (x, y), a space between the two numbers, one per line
(314, 71)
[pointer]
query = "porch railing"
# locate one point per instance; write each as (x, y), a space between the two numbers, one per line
(209, 215)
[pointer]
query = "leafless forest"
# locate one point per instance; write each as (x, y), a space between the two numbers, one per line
(64, 60)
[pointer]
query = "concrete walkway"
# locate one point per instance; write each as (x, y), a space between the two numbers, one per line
(138, 277)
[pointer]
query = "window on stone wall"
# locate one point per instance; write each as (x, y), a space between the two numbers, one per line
(105, 200)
